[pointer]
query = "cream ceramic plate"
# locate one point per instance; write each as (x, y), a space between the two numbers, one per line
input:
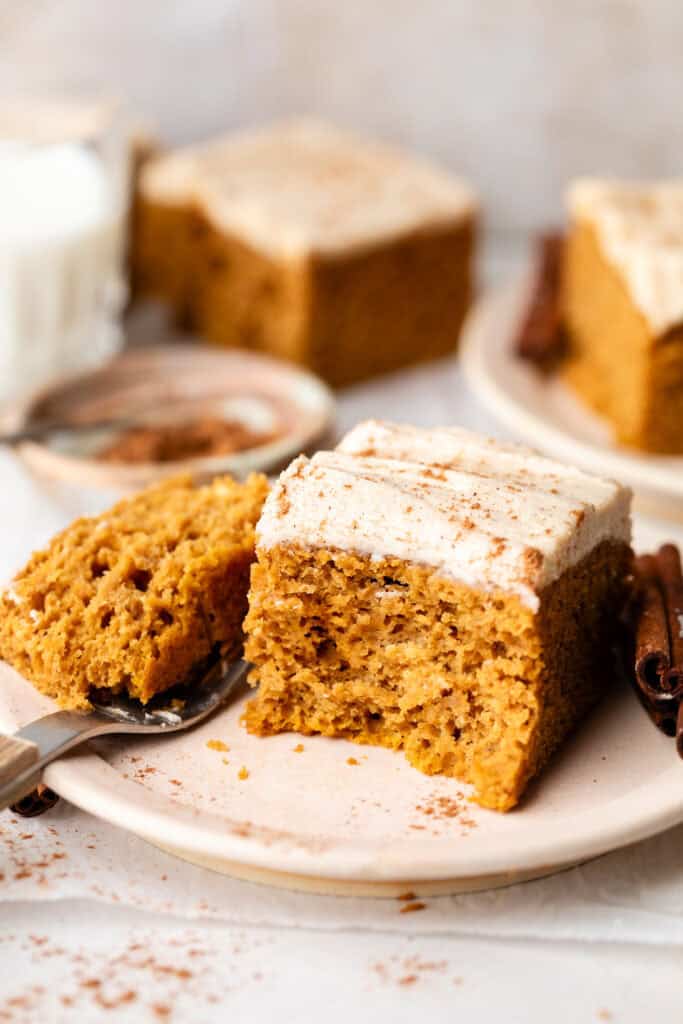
(547, 414)
(312, 820)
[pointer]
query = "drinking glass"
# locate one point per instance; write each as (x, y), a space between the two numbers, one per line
(63, 217)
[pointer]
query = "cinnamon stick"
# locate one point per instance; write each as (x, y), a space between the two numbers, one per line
(671, 576)
(653, 658)
(666, 721)
(658, 639)
(540, 337)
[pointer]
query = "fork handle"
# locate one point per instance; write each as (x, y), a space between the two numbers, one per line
(24, 755)
(18, 760)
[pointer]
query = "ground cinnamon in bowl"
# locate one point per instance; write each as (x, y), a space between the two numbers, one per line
(175, 442)
(158, 408)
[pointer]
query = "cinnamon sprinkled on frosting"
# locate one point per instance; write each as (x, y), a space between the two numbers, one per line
(495, 516)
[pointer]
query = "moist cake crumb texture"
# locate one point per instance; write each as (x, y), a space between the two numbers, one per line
(138, 597)
(438, 593)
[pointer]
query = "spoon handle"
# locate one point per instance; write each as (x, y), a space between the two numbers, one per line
(24, 755)
(38, 431)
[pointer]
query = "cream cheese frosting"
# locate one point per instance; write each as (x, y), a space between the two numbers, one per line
(303, 186)
(640, 231)
(492, 516)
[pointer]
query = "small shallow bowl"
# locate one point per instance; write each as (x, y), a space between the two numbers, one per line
(263, 393)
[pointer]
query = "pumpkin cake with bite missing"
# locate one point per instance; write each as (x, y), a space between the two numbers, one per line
(440, 593)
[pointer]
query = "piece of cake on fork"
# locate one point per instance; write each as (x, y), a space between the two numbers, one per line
(440, 593)
(138, 599)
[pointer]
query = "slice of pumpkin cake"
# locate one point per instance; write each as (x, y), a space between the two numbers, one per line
(299, 239)
(138, 598)
(440, 593)
(622, 306)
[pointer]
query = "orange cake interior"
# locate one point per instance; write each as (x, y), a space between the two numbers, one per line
(434, 592)
(622, 304)
(136, 599)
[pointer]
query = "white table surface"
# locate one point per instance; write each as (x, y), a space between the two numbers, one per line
(97, 925)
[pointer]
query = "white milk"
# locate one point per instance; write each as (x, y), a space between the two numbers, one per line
(61, 248)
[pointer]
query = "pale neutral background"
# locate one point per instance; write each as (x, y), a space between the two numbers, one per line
(518, 95)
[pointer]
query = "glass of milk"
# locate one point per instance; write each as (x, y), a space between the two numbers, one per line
(63, 215)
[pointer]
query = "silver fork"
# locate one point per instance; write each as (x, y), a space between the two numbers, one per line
(24, 755)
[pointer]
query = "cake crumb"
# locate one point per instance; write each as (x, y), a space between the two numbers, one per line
(351, 760)
(243, 773)
(217, 745)
(410, 908)
(298, 749)
(406, 897)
